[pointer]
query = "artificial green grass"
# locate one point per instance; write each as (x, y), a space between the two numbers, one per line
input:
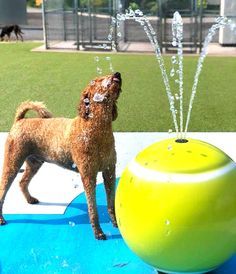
(58, 79)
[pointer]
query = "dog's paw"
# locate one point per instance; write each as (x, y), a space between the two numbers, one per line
(113, 220)
(2, 221)
(32, 200)
(114, 223)
(100, 236)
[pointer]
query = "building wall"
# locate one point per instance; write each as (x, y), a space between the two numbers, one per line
(13, 12)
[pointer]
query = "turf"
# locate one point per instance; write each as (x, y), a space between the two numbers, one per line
(58, 79)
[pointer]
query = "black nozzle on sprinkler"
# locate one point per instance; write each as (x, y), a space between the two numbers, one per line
(182, 141)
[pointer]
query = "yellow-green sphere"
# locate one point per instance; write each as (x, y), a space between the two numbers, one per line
(176, 206)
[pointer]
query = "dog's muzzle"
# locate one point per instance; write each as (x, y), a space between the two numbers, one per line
(117, 78)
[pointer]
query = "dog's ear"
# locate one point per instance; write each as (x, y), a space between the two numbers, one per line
(114, 112)
(84, 105)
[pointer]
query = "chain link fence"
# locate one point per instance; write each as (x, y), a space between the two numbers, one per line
(69, 24)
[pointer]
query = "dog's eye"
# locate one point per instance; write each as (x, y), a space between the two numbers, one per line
(86, 101)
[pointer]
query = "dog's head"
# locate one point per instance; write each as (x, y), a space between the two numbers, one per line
(101, 94)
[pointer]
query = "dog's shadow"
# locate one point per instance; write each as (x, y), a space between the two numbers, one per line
(62, 219)
(76, 214)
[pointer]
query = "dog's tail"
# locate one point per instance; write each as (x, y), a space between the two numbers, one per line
(39, 107)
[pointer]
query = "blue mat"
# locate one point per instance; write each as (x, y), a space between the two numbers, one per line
(65, 244)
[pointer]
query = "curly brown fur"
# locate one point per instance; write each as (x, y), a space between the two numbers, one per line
(38, 107)
(84, 144)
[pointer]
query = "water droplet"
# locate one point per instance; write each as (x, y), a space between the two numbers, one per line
(104, 46)
(172, 72)
(119, 16)
(167, 222)
(173, 60)
(109, 37)
(138, 13)
(169, 147)
(76, 185)
(177, 96)
(176, 81)
(99, 70)
(170, 131)
(92, 83)
(119, 34)
(174, 43)
(96, 59)
(167, 232)
(71, 223)
(65, 264)
(98, 97)
(108, 58)
(111, 68)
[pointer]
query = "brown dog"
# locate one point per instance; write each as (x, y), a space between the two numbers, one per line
(84, 144)
(7, 31)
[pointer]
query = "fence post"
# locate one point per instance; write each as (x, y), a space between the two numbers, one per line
(200, 38)
(44, 25)
(76, 24)
(64, 22)
(159, 12)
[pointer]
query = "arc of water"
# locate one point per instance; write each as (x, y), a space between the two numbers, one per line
(152, 38)
(220, 22)
(177, 32)
(177, 26)
(138, 16)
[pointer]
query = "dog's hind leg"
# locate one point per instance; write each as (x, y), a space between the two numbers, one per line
(31, 168)
(17, 38)
(12, 163)
(21, 37)
(18, 34)
(109, 178)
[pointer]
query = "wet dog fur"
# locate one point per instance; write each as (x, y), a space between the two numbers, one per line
(84, 144)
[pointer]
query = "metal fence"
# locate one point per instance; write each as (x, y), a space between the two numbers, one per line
(75, 26)
(71, 25)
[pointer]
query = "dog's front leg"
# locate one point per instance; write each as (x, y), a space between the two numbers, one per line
(89, 184)
(109, 178)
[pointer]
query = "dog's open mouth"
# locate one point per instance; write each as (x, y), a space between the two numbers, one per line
(116, 80)
(117, 77)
